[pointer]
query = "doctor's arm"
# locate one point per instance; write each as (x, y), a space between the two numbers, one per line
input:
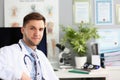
(7, 69)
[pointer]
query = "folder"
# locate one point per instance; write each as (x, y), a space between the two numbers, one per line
(79, 71)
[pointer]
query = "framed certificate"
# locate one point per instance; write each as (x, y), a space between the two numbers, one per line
(109, 40)
(118, 13)
(81, 11)
(103, 12)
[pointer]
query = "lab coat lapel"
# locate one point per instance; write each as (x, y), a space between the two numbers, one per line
(46, 67)
(42, 65)
(23, 53)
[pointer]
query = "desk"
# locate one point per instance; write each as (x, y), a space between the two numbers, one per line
(100, 74)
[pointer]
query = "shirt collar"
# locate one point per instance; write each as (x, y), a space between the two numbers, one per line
(28, 48)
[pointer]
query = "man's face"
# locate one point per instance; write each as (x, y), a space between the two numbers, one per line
(33, 32)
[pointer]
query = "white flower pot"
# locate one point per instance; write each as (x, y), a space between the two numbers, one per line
(80, 61)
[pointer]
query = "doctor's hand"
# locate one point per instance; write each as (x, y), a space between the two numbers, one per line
(25, 77)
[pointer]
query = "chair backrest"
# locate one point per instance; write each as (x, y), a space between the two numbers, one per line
(9, 36)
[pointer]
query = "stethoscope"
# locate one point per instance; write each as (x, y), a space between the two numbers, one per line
(27, 58)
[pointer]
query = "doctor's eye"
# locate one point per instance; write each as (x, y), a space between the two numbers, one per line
(32, 28)
(41, 29)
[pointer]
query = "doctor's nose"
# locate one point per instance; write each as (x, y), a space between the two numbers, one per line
(36, 32)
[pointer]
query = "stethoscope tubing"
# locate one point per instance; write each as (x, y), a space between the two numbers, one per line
(27, 56)
(25, 59)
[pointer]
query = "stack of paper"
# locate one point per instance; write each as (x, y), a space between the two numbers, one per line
(112, 59)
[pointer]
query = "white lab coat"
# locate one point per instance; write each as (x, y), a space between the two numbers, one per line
(12, 63)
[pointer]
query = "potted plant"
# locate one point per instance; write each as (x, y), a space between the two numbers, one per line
(78, 37)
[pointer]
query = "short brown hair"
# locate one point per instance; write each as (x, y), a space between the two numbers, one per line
(33, 16)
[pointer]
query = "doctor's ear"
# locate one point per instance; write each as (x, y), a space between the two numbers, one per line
(45, 25)
(22, 30)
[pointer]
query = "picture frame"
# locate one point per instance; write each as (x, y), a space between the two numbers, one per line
(81, 11)
(117, 13)
(103, 12)
(109, 40)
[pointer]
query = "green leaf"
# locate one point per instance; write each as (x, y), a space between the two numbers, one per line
(77, 38)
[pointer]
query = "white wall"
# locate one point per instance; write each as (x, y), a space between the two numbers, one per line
(1, 13)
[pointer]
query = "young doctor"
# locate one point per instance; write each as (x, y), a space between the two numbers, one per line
(17, 61)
